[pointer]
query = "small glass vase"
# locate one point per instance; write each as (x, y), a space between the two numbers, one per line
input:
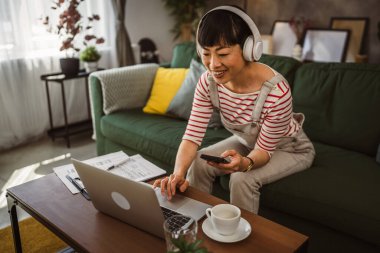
(180, 236)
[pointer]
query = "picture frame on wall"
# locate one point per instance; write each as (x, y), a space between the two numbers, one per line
(358, 27)
(325, 45)
(283, 38)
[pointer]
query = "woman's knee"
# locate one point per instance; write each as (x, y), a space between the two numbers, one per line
(243, 180)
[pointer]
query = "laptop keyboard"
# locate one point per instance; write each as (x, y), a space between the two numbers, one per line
(177, 223)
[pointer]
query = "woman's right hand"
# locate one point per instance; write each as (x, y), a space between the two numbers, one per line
(170, 183)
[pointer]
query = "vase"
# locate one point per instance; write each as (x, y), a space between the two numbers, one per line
(90, 66)
(297, 52)
(69, 66)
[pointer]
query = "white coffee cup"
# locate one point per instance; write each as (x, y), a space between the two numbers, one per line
(224, 218)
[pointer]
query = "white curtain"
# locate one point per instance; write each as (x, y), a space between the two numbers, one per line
(27, 51)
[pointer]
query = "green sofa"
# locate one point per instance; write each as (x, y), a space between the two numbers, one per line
(337, 201)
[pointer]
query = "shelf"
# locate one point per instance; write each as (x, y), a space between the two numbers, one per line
(72, 129)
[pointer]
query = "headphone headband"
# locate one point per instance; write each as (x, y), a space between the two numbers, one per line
(253, 47)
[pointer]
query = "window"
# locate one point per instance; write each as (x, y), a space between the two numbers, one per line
(23, 33)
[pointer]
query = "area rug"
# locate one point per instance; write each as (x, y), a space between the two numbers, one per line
(34, 237)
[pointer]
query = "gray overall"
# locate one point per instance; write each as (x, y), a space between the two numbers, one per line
(293, 154)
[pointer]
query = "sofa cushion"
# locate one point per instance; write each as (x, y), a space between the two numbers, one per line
(182, 55)
(153, 135)
(182, 103)
(117, 91)
(341, 191)
(165, 86)
(286, 66)
(341, 104)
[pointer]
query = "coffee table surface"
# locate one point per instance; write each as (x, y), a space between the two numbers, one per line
(78, 223)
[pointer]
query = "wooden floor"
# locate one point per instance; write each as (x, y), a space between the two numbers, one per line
(36, 159)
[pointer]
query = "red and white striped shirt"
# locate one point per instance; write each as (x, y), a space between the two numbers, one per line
(276, 119)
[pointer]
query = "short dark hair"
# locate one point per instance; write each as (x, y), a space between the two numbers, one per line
(222, 26)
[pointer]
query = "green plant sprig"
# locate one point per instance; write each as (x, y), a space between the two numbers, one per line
(185, 247)
(90, 54)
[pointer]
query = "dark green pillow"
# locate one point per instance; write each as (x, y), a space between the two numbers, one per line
(183, 53)
(286, 66)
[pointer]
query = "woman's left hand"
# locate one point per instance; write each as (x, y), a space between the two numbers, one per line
(231, 167)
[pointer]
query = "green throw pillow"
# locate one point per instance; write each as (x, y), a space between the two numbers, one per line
(183, 53)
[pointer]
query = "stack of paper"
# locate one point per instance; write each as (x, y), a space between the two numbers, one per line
(132, 167)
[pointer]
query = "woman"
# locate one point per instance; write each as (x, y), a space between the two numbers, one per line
(255, 104)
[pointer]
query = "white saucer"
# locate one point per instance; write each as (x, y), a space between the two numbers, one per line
(242, 232)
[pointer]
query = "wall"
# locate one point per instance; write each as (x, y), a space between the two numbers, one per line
(149, 18)
(265, 12)
(152, 20)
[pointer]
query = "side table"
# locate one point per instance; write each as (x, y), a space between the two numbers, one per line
(67, 129)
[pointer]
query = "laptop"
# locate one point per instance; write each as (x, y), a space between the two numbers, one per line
(135, 203)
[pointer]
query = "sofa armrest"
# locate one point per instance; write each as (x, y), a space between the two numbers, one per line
(118, 89)
(96, 102)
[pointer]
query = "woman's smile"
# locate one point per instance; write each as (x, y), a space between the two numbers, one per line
(218, 74)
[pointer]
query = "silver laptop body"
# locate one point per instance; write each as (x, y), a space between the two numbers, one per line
(135, 203)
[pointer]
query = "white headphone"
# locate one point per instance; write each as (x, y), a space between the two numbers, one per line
(253, 45)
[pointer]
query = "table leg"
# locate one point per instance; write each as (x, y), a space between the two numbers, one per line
(65, 115)
(12, 204)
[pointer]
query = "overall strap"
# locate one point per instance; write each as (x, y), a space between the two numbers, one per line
(264, 92)
(214, 96)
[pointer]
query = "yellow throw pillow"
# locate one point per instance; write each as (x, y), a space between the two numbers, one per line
(165, 87)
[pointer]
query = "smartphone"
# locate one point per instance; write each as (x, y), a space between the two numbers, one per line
(215, 159)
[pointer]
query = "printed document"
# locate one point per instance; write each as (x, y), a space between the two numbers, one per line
(135, 167)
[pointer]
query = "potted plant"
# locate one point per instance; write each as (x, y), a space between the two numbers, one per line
(188, 247)
(69, 28)
(90, 56)
(187, 14)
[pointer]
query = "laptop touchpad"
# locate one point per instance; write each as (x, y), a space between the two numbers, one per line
(176, 202)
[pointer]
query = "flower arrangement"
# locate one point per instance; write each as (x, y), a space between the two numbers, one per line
(70, 26)
(299, 25)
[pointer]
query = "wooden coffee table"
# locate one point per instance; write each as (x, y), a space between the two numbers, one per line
(74, 219)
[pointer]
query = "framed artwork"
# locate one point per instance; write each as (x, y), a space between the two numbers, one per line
(325, 45)
(283, 38)
(358, 28)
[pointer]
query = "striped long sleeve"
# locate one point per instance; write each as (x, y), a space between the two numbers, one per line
(276, 119)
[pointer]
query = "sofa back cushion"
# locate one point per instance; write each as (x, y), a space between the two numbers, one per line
(286, 66)
(183, 53)
(166, 84)
(341, 103)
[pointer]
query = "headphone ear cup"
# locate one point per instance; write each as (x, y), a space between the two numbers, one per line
(258, 50)
(248, 49)
(252, 51)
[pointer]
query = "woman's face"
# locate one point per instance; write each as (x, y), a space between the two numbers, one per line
(223, 62)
